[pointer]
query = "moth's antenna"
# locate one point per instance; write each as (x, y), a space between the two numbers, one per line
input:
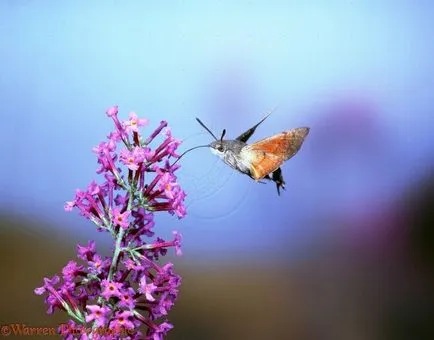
(203, 125)
(223, 134)
(191, 149)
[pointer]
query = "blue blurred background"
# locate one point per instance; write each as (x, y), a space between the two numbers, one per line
(359, 73)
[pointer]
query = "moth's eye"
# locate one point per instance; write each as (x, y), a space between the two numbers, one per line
(220, 148)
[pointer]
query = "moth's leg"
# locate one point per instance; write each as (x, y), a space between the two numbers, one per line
(250, 175)
(267, 177)
(278, 179)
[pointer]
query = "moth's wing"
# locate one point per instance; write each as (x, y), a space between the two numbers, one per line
(261, 163)
(244, 137)
(266, 155)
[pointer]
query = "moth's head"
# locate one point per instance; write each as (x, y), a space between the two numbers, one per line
(218, 147)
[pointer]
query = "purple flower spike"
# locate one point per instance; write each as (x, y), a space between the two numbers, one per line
(126, 295)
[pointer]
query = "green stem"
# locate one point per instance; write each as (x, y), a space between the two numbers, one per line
(116, 253)
(119, 239)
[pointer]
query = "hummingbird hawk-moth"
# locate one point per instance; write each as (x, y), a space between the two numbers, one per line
(259, 160)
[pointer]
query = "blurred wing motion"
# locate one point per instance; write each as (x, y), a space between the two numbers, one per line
(267, 155)
(244, 137)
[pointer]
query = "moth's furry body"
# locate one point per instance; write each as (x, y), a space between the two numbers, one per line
(231, 154)
(263, 158)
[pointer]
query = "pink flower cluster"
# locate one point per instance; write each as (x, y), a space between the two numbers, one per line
(127, 292)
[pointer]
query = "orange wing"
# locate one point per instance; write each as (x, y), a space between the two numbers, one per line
(268, 154)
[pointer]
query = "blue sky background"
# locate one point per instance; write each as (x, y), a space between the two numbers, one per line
(359, 73)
